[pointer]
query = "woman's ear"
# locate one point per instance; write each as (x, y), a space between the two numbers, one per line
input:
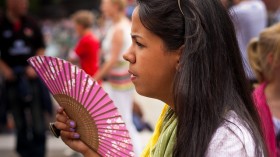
(179, 53)
(270, 58)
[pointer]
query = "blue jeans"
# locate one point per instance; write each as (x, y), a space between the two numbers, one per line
(29, 119)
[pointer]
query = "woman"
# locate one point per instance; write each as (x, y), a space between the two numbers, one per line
(87, 47)
(115, 68)
(185, 53)
(265, 60)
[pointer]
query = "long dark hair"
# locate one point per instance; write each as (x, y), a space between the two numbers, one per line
(210, 80)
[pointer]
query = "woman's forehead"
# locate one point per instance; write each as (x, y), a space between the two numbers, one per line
(137, 26)
(139, 31)
(135, 14)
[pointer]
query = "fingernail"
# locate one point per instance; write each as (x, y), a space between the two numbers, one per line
(59, 109)
(76, 135)
(72, 130)
(72, 124)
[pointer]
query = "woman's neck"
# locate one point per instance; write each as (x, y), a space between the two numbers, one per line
(272, 93)
(272, 90)
(117, 18)
(85, 32)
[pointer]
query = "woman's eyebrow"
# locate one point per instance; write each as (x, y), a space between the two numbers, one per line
(134, 36)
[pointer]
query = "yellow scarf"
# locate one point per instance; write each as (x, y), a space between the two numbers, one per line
(158, 131)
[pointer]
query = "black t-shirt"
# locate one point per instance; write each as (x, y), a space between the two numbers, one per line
(16, 46)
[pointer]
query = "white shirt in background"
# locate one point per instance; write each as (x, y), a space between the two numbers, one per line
(249, 18)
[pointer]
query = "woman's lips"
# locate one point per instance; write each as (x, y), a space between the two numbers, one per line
(132, 76)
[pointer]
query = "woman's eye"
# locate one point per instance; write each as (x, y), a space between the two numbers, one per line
(139, 44)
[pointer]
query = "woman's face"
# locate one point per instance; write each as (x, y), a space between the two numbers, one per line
(108, 8)
(152, 67)
(79, 29)
(272, 65)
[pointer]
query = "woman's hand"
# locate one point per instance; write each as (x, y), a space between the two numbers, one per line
(7, 71)
(30, 72)
(69, 136)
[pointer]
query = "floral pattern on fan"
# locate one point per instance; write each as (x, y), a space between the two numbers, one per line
(98, 121)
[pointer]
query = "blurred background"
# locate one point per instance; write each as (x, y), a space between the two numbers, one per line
(60, 38)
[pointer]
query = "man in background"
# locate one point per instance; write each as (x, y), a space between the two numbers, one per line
(21, 38)
(249, 18)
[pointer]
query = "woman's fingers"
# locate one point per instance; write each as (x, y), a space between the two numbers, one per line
(69, 135)
(64, 127)
(63, 122)
(61, 118)
(60, 110)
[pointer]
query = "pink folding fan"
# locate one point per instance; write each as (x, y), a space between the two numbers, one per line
(98, 122)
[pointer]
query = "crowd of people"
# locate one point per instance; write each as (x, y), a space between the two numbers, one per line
(214, 63)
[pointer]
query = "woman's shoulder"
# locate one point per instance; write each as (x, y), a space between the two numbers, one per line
(258, 93)
(232, 138)
(123, 25)
(89, 38)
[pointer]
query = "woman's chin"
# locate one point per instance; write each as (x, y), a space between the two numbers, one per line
(140, 90)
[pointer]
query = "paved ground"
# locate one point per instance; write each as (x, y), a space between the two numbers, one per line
(56, 148)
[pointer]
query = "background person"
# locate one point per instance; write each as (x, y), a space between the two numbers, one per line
(249, 18)
(21, 38)
(115, 43)
(273, 8)
(264, 57)
(86, 52)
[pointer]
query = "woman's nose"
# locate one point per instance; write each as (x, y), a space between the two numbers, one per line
(129, 56)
